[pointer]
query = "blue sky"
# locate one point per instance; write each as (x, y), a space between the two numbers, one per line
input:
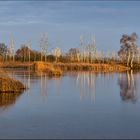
(65, 21)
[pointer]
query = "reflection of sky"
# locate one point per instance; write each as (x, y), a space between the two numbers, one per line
(65, 21)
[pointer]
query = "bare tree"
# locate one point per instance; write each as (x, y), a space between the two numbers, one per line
(4, 51)
(82, 44)
(57, 53)
(12, 48)
(88, 51)
(45, 45)
(28, 44)
(41, 47)
(93, 49)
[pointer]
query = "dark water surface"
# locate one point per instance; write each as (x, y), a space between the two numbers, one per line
(76, 105)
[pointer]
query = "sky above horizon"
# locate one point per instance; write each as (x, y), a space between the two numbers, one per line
(66, 21)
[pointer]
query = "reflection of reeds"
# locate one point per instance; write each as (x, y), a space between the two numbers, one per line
(29, 81)
(45, 85)
(41, 84)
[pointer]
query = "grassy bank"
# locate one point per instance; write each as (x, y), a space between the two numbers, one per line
(9, 85)
(90, 67)
(18, 65)
(48, 68)
(56, 69)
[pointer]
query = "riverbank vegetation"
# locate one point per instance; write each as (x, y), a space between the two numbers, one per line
(9, 85)
(86, 57)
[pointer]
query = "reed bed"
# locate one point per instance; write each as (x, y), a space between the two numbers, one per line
(57, 69)
(48, 68)
(90, 67)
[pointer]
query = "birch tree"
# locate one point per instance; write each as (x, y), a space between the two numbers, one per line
(129, 47)
(12, 48)
(82, 44)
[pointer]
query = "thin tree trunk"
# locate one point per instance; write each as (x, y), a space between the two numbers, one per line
(128, 59)
(132, 61)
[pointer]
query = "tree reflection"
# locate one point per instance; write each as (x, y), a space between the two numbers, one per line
(127, 85)
(87, 84)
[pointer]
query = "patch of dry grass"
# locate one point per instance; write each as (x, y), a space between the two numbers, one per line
(9, 85)
(90, 67)
(48, 68)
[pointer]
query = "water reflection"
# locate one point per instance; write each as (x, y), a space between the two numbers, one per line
(127, 84)
(8, 99)
(86, 82)
(29, 78)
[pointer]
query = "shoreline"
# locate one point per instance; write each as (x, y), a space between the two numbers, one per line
(10, 85)
(57, 68)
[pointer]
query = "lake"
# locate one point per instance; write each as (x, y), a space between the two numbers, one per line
(76, 105)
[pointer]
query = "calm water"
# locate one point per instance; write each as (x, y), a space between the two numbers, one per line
(76, 105)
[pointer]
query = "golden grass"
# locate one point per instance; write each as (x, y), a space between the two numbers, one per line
(48, 68)
(9, 85)
(56, 69)
(16, 64)
(90, 67)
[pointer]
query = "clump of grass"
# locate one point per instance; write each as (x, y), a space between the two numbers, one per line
(48, 68)
(54, 72)
(9, 85)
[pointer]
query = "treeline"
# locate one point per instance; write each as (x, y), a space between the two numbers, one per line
(129, 53)
(86, 53)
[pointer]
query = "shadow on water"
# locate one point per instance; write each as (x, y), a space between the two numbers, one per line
(127, 83)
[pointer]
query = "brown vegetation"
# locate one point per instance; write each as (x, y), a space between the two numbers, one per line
(16, 64)
(56, 69)
(7, 99)
(9, 85)
(48, 68)
(90, 67)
